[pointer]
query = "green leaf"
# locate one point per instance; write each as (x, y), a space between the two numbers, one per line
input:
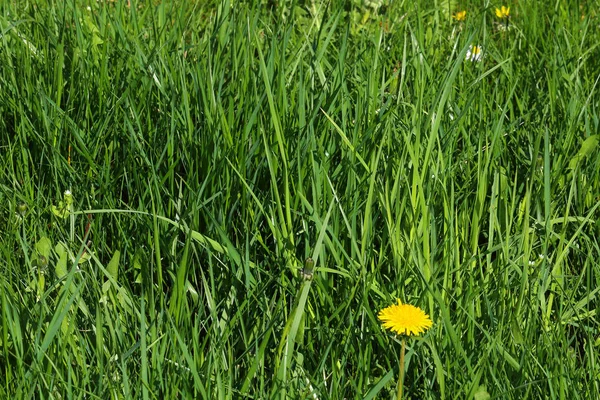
(90, 25)
(41, 284)
(113, 265)
(481, 393)
(43, 247)
(85, 257)
(61, 265)
(96, 40)
(62, 211)
(587, 147)
(125, 301)
(516, 331)
(105, 289)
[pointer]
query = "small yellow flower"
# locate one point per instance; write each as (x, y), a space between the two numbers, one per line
(404, 319)
(460, 15)
(503, 12)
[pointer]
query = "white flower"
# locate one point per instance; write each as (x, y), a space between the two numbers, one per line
(373, 3)
(475, 53)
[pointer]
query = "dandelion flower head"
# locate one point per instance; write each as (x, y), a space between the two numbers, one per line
(404, 319)
(475, 53)
(503, 12)
(460, 15)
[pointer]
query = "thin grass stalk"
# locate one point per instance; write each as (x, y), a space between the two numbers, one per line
(400, 392)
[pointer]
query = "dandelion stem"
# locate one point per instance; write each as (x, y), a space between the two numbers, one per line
(401, 368)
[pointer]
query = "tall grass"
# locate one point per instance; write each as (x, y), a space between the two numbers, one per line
(212, 147)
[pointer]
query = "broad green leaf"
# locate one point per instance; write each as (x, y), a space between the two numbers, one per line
(105, 287)
(43, 247)
(96, 40)
(89, 23)
(113, 265)
(41, 285)
(516, 331)
(85, 257)
(62, 211)
(481, 393)
(125, 300)
(587, 147)
(61, 265)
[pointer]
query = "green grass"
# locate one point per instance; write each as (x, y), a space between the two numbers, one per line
(212, 147)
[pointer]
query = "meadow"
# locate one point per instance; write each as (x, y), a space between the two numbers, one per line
(215, 199)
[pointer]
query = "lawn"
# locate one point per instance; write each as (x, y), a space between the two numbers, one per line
(216, 199)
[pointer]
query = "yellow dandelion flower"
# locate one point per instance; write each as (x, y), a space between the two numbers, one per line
(404, 319)
(503, 12)
(460, 15)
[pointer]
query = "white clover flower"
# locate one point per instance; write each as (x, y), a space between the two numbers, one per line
(68, 198)
(475, 53)
(373, 3)
(503, 27)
